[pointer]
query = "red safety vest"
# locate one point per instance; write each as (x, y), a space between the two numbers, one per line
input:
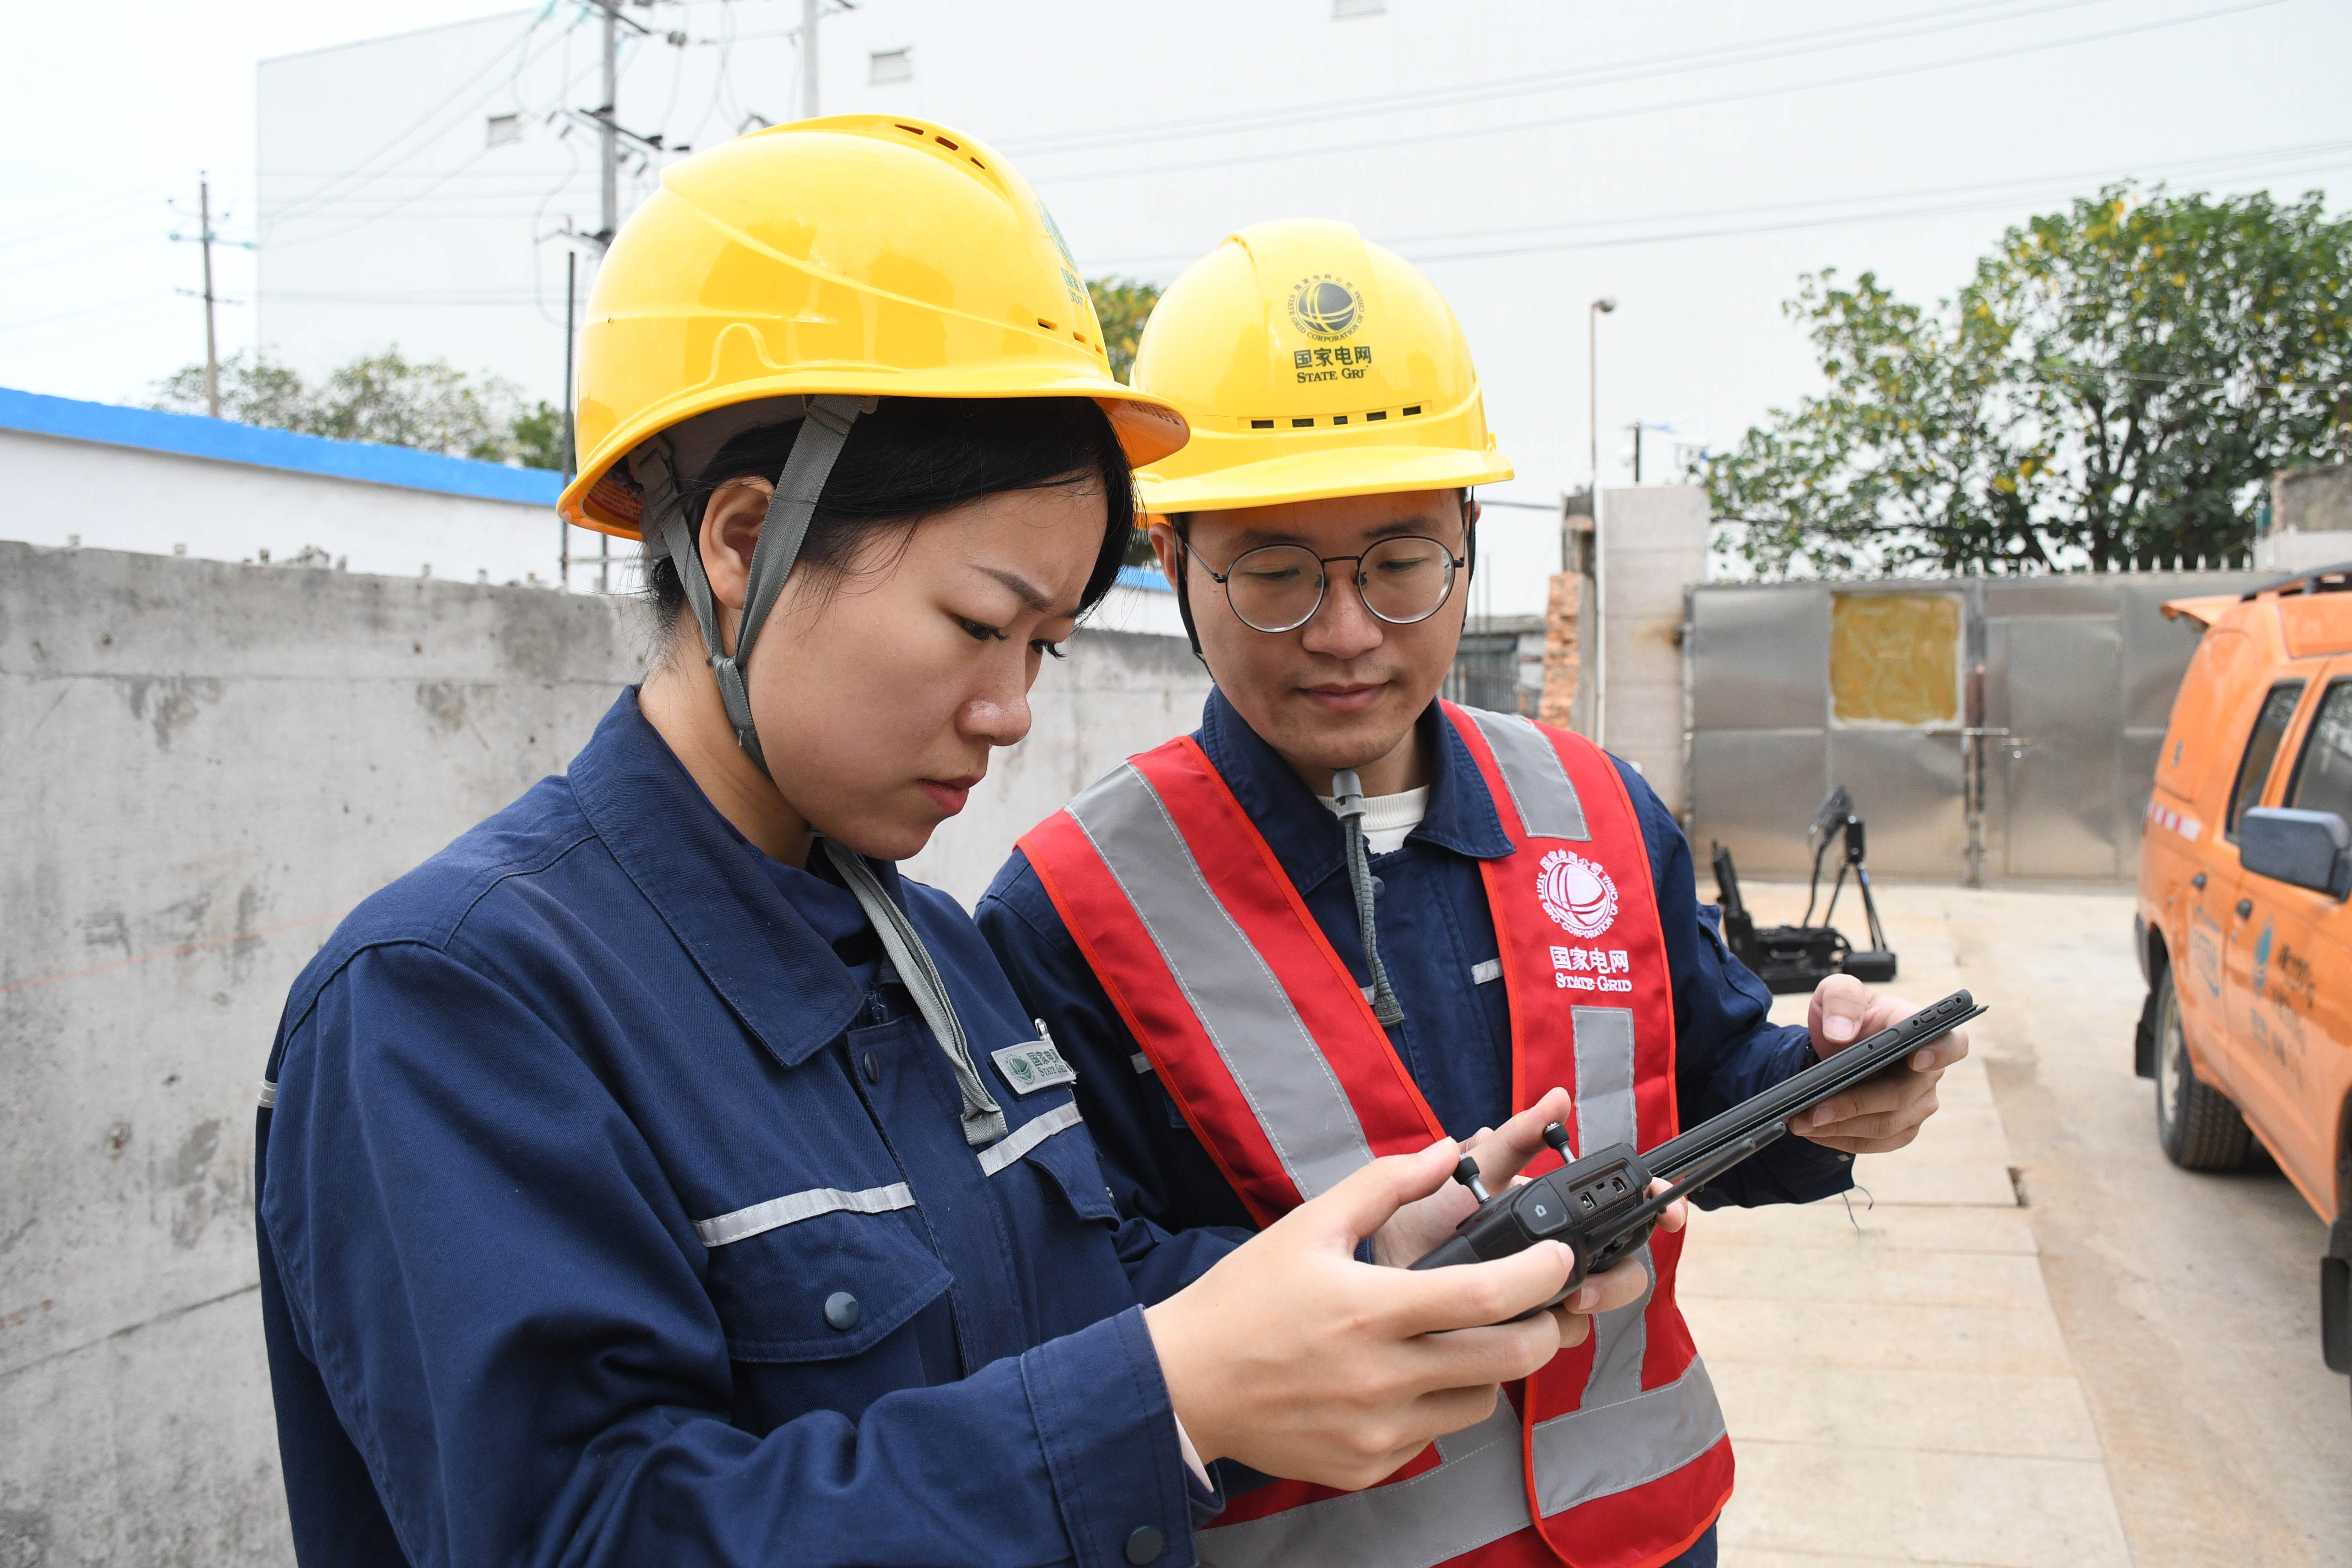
(1614, 1455)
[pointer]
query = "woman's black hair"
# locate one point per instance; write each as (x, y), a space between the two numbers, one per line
(914, 458)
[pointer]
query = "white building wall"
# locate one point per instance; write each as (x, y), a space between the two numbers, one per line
(161, 503)
(1653, 545)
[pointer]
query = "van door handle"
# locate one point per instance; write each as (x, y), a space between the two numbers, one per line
(2245, 908)
(2198, 882)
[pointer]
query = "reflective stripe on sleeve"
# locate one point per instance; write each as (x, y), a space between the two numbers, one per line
(1540, 790)
(269, 1094)
(1475, 1497)
(1140, 1063)
(1611, 1449)
(1027, 1136)
(794, 1207)
(1481, 974)
(1248, 1017)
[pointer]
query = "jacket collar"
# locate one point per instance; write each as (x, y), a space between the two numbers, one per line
(1303, 834)
(706, 882)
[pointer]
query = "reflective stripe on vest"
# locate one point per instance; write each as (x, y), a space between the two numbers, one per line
(1260, 1032)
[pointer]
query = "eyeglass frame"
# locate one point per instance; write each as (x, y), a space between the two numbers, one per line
(1454, 565)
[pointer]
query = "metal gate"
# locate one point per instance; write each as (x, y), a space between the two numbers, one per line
(1988, 729)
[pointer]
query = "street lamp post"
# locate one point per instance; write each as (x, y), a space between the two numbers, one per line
(1598, 308)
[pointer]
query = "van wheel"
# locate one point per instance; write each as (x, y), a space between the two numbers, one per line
(2198, 1125)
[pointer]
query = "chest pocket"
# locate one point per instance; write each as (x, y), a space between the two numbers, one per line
(819, 1275)
(1065, 1159)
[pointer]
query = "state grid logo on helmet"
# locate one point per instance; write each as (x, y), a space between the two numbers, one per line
(1325, 307)
(1577, 892)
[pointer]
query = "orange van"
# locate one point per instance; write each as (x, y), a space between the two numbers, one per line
(2243, 928)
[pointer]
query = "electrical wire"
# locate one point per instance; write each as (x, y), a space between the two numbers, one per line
(360, 172)
(1833, 220)
(2258, 155)
(1707, 100)
(1645, 68)
(1982, 196)
(400, 203)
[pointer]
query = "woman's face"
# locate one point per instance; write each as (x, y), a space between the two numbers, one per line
(879, 695)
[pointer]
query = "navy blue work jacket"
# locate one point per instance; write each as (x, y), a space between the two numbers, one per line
(608, 1217)
(1434, 933)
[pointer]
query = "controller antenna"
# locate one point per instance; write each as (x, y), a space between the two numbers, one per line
(1556, 1136)
(1465, 1171)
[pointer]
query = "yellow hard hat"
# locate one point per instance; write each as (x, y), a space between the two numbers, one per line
(861, 255)
(1309, 364)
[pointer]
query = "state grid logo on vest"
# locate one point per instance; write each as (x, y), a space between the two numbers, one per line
(1581, 898)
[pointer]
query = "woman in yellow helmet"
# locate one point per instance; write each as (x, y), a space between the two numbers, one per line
(654, 1176)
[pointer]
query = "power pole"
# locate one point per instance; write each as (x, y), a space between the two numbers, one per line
(808, 59)
(609, 130)
(212, 342)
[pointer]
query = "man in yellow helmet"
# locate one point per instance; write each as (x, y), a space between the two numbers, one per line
(1343, 916)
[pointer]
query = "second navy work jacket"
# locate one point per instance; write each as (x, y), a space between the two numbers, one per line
(610, 1216)
(1437, 942)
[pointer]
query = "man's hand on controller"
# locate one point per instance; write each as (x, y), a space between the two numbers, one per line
(1885, 1113)
(1417, 1228)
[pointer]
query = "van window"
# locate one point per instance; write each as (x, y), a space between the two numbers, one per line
(2322, 773)
(2262, 750)
(2217, 680)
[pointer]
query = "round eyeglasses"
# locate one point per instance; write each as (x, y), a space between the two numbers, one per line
(1278, 587)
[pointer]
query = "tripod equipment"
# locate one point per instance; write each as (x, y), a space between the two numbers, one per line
(1835, 818)
(1799, 957)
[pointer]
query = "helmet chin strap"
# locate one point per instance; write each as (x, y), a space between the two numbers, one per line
(823, 431)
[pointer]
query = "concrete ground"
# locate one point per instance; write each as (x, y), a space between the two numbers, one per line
(2035, 1342)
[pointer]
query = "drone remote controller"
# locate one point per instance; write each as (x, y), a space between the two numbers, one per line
(1597, 1206)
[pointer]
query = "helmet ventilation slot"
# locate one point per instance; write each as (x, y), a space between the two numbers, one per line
(1308, 422)
(1049, 326)
(1412, 410)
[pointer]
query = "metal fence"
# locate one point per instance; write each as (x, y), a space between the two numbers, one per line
(1990, 730)
(1486, 672)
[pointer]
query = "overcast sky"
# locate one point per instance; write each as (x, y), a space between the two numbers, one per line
(1690, 158)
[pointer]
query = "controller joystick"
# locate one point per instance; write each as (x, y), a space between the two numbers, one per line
(1465, 1171)
(1556, 1136)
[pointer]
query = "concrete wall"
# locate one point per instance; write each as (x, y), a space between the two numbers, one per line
(205, 766)
(1115, 694)
(1650, 544)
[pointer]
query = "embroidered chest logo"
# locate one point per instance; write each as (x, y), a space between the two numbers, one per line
(1577, 892)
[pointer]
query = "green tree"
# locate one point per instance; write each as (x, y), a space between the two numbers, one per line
(2116, 383)
(254, 390)
(1122, 305)
(386, 398)
(538, 439)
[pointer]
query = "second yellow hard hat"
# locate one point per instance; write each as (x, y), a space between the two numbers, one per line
(1309, 364)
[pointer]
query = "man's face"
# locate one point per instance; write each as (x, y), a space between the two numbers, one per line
(1342, 691)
